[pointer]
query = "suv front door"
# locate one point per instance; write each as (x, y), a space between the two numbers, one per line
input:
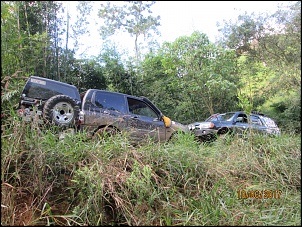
(241, 124)
(143, 121)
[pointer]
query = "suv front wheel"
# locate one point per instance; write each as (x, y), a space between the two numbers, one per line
(60, 110)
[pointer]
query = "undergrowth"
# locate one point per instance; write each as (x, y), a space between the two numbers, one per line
(76, 181)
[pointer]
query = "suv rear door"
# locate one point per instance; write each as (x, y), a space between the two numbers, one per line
(103, 108)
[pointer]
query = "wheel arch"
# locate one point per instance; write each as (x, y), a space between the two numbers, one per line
(174, 134)
(224, 130)
(106, 126)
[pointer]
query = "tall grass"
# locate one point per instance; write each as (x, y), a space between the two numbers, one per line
(75, 181)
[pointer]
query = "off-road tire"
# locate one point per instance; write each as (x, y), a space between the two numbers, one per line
(175, 136)
(60, 110)
(105, 132)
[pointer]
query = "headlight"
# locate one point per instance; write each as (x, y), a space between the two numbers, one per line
(201, 125)
(191, 126)
(206, 125)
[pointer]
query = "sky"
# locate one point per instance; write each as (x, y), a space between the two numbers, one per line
(178, 18)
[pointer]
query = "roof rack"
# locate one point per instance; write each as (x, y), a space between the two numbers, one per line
(257, 112)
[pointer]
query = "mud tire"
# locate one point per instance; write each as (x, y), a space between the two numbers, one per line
(60, 110)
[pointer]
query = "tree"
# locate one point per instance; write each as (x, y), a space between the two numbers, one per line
(271, 67)
(80, 27)
(203, 70)
(26, 34)
(117, 77)
(40, 21)
(274, 40)
(87, 74)
(132, 18)
(191, 78)
(281, 48)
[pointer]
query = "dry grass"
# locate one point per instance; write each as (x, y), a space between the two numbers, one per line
(47, 181)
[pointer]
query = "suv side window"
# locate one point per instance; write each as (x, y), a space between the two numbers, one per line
(45, 89)
(140, 108)
(255, 120)
(242, 118)
(110, 101)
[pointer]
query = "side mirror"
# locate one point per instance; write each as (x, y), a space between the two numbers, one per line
(167, 121)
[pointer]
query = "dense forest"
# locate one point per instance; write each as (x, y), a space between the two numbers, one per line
(255, 65)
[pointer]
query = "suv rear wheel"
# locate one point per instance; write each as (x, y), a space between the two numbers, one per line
(60, 110)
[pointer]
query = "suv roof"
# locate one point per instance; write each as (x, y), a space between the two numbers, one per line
(142, 98)
(216, 116)
(43, 88)
(45, 100)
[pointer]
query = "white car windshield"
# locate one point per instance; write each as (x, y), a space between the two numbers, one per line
(221, 117)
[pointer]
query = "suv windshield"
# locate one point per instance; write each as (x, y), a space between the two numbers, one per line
(221, 117)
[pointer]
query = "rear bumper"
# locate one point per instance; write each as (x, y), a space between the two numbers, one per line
(28, 115)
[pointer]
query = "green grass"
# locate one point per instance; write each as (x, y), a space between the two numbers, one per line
(75, 181)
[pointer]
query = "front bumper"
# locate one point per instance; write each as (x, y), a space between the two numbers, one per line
(204, 132)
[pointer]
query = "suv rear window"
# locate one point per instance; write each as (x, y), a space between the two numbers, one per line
(44, 89)
(269, 122)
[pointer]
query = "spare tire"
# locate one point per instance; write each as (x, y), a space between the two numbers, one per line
(60, 110)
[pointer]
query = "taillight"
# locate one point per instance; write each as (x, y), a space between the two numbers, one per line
(20, 112)
(81, 117)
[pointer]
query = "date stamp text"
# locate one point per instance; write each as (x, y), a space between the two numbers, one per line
(259, 194)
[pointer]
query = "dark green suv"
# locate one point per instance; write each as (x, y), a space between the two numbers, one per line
(43, 99)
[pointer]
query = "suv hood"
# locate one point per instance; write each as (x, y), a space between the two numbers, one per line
(178, 126)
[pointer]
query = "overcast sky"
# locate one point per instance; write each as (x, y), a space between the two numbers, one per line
(180, 18)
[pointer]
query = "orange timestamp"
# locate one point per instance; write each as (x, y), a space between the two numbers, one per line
(259, 194)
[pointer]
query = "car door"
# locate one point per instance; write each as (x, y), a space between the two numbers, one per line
(241, 124)
(258, 125)
(105, 108)
(144, 122)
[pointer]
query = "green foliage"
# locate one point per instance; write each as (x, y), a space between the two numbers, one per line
(191, 74)
(188, 79)
(76, 181)
(270, 62)
(244, 103)
(87, 74)
(286, 110)
(119, 79)
(27, 35)
(11, 87)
